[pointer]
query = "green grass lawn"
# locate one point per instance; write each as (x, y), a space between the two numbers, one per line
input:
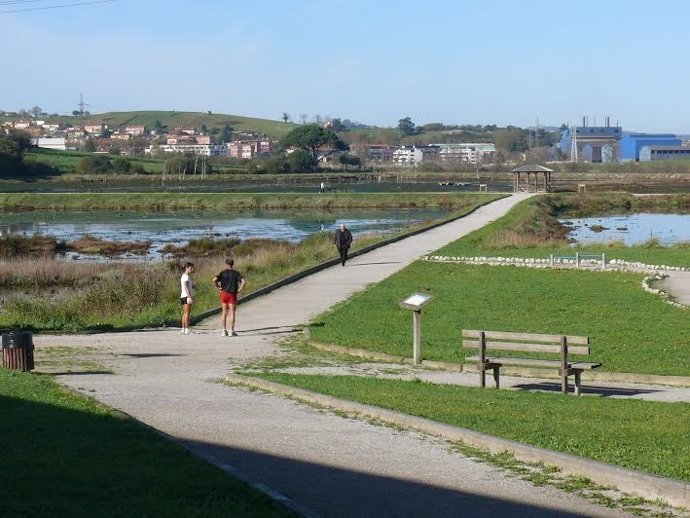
(643, 435)
(67, 161)
(630, 330)
(66, 455)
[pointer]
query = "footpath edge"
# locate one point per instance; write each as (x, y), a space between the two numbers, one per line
(674, 492)
(332, 262)
(614, 377)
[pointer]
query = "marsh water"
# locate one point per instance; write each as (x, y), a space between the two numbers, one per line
(179, 228)
(631, 229)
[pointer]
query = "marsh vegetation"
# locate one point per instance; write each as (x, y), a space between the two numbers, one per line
(43, 294)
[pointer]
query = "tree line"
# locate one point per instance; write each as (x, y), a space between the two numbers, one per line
(13, 147)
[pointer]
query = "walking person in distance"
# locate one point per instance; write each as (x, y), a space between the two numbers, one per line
(342, 240)
(186, 296)
(229, 283)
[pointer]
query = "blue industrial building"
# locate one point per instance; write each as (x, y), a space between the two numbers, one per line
(632, 144)
(611, 144)
(648, 153)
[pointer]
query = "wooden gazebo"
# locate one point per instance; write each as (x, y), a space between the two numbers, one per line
(531, 178)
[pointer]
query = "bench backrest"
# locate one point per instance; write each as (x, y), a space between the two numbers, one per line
(524, 342)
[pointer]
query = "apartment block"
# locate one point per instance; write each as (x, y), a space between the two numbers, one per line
(242, 149)
(136, 130)
(465, 153)
(94, 129)
(411, 156)
(196, 149)
(380, 153)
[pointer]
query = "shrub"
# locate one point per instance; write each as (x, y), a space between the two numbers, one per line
(96, 164)
(121, 165)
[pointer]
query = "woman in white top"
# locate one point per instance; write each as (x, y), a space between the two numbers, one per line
(186, 296)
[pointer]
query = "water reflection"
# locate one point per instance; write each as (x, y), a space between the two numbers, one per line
(632, 229)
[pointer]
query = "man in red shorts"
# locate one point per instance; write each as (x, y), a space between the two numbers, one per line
(229, 283)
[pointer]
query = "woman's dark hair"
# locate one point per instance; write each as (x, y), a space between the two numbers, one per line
(230, 261)
(187, 265)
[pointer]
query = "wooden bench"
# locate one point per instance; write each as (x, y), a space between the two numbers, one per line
(488, 341)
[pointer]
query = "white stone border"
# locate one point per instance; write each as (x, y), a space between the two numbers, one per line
(653, 272)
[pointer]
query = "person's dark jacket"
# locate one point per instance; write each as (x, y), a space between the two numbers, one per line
(342, 239)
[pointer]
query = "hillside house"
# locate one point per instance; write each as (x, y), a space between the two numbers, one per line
(136, 130)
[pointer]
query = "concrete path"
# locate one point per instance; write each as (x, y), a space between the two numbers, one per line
(647, 392)
(326, 465)
(677, 285)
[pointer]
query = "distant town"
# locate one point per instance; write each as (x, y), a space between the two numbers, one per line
(580, 143)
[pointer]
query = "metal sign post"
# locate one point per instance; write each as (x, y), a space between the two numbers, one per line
(415, 303)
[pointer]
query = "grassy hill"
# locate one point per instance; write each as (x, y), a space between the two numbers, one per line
(174, 119)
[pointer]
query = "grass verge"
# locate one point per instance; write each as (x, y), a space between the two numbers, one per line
(532, 229)
(643, 435)
(66, 455)
(162, 202)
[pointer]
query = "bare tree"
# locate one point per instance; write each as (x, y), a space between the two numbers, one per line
(303, 117)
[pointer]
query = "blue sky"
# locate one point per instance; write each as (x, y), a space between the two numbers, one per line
(458, 62)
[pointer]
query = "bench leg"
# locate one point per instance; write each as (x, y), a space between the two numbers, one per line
(496, 373)
(564, 384)
(577, 383)
(482, 375)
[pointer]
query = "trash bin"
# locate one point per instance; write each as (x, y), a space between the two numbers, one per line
(18, 351)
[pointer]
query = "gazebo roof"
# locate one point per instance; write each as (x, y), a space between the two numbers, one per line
(531, 169)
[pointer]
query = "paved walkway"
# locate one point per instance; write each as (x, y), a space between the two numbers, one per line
(326, 465)
(647, 392)
(677, 285)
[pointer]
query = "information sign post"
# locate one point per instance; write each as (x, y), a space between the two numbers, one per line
(415, 303)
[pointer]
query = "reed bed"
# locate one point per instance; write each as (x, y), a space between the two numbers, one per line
(25, 246)
(594, 204)
(165, 202)
(47, 273)
(91, 245)
(73, 296)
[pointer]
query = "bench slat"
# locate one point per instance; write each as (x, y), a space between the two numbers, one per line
(501, 335)
(533, 348)
(529, 362)
(585, 365)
